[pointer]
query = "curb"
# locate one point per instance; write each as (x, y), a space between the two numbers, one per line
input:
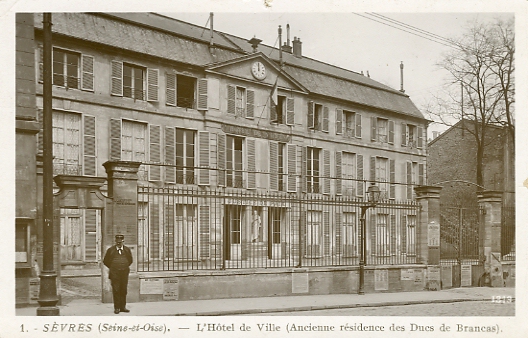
(330, 307)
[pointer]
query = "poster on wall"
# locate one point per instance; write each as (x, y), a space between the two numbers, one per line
(381, 280)
(433, 234)
(465, 275)
(170, 289)
(407, 274)
(151, 286)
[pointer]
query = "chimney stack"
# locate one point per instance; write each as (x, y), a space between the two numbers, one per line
(297, 47)
(211, 41)
(401, 77)
(286, 47)
(280, 49)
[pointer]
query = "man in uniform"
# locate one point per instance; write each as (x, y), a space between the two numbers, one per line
(118, 259)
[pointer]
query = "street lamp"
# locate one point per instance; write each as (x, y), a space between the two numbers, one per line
(373, 194)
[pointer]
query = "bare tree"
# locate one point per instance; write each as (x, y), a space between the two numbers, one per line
(480, 89)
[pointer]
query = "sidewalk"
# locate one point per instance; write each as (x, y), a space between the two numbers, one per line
(236, 306)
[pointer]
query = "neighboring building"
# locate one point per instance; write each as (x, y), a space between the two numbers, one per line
(452, 161)
(220, 113)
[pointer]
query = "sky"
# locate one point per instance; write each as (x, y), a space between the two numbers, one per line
(357, 43)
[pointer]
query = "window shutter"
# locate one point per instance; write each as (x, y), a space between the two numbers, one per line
(338, 172)
(392, 234)
(391, 132)
(373, 122)
(221, 158)
(420, 132)
(170, 155)
(250, 104)
(292, 167)
(326, 171)
(403, 134)
(409, 180)
(339, 121)
(152, 84)
(155, 152)
(202, 94)
(90, 235)
(304, 156)
(40, 136)
(154, 228)
(403, 234)
(203, 140)
(87, 72)
(392, 178)
(373, 169)
(326, 117)
(421, 174)
(338, 231)
(290, 111)
(326, 233)
(311, 122)
(170, 90)
(251, 167)
(205, 231)
(358, 125)
(274, 165)
(373, 240)
(273, 113)
(117, 78)
(115, 139)
(41, 63)
(89, 151)
(360, 183)
(231, 92)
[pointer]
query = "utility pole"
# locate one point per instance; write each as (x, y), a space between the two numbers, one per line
(48, 277)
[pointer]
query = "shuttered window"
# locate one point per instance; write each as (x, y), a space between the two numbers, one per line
(185, 156)
(313, 170)
(152, 84)
(313, 233)
(204, 158)
(326, 117)
(350, 234)
(205, 231)
(250, 106)
(133, 81)
(202, 94)
(251, 166)
(349, 124)
(234, 162)
(274, 165)
(338, 173)
(170, 154)
(339, 121)
(89, 146)
(87, 73)
(155, 152)
(349, 169)
(326, 171)
(358, 125)
(133, 145)
(311, 115)
(392, 179)
(380, 175)
(360, 178)
(292, 167)
(290, 111)
(115, 139)
(67, 144)
(170, 89)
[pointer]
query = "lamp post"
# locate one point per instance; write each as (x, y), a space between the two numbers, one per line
(373, 194)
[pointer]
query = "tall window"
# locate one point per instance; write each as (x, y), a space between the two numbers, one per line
(240, 101)
(67, 143)
(349, 173)
(71, 235)
(350, 234)
(133, 144)
(382, 125)
(180, 90)
(66, 68)
(313, 233)
(234, 162)
(275, 225)
(133, 81)
(382, 175)
(382, 235)
(186, 231)
(411, 136)
(312, 169)
(349, 122)
(185, 156)
(411, 234)
(282, 166)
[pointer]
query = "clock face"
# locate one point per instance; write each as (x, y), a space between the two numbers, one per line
(258, 70)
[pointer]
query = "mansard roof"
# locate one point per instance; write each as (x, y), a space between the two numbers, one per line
(179, 41)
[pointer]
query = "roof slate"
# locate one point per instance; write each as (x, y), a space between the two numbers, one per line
(182, 42)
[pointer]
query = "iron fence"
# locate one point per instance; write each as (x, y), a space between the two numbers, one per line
(508, 233)
(199, 228)
(459, 234)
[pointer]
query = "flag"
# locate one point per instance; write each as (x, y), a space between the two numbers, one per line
(274, 101)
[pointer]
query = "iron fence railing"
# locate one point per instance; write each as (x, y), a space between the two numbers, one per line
(197, 228)
(459, 234)
(508, 233)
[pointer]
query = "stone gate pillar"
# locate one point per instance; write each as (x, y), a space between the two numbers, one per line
(121, 218)
(490, 203)
(428, 231)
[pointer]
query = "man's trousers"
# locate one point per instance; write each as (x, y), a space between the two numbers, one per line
(119, 281)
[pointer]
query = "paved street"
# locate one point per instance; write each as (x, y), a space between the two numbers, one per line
(473, 308)
(80, 288)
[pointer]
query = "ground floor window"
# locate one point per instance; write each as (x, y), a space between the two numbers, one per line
(350, 234)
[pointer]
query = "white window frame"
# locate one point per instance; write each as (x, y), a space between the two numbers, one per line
(186, 170)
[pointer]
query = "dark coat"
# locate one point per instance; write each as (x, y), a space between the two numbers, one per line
(112, 251)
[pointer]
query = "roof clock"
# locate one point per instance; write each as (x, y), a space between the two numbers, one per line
(258, 70)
